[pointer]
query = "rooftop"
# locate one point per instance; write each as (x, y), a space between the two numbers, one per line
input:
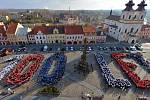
(73, 29)
(113, 17)
(12, 28)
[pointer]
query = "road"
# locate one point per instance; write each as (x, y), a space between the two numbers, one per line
(35, 48)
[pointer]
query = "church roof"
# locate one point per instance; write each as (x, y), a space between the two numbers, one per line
(113, 17)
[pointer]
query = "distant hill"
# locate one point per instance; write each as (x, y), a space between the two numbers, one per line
(101, 13)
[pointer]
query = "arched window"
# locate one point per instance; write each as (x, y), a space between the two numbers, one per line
(131, 30)
(137, 30)
(134, 17)
(119, 29)
(123, 17)
(125, 30)
(129, 16)
(142, 17)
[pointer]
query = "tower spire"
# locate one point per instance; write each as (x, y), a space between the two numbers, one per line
(110, 12)
(129, 5)
(141, 6)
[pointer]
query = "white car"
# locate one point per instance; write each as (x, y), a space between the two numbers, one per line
(67, 48)
(71, 48)
(89, 48)
(58, 49)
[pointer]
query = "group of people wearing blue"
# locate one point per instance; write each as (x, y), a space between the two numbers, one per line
(139, 59)
(50, 79)
(108, 76)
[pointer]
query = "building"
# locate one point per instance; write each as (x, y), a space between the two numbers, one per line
(89, 33)
(16, 34)
(56, 34)
(11, 33)
(38, 35)
(126, 26)
(3, 37)
(93, 36)
(70, 19)
(144, 33)
(74, 34)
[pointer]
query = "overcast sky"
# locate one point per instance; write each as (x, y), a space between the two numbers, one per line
(64, 4)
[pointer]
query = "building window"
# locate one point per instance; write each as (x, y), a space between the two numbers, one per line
(142, 17)
(123, 17)
(131, 30)
(125, 30)
(129, 16)
(134, 17)
(119, 29)
(70, 37)
(40, 38)
(137, 30)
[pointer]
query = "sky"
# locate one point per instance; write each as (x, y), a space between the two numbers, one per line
(64, 4)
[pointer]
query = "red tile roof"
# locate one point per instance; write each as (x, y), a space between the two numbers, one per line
(12, 28)
(36, 29)
(2, 30)
(89, 29)
(73, 29)
(144, 27)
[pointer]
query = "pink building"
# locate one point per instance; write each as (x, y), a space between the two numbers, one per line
(144, 32)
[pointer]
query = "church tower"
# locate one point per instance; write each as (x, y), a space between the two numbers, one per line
(140, 12)
(128, 12)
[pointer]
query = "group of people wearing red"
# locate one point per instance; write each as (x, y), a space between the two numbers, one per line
(127, 68)
(18, 76)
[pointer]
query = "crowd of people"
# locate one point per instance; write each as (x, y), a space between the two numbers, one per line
(110, 79)
(14, 61)
(140, 59)
(46, 78)
(17, 77)
(127, 68)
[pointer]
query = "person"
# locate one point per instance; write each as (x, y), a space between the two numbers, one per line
(119, 97)
(82, 97)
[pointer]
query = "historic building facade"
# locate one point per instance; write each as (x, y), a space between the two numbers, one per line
(126, 26)
(144, 33)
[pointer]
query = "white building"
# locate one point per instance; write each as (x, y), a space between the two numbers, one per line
(126, 26)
